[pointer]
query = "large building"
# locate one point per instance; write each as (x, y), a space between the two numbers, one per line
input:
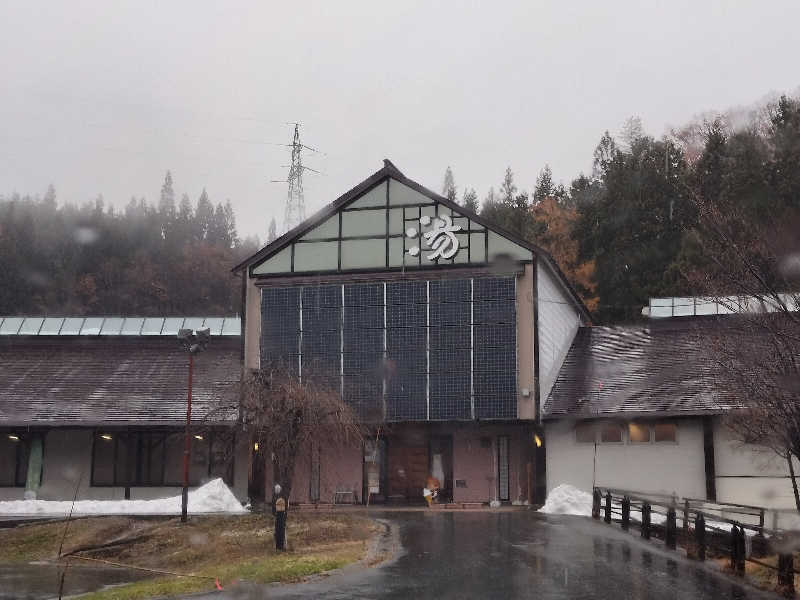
(443, 331)
(463, 348)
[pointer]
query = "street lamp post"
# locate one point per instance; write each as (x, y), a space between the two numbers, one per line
(193, 342)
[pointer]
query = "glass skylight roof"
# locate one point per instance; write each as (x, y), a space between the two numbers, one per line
(132, 326)
(72, 326)
(172, 325)
(11, 325)
(91, 326)
(193, 323)
(152, 326)
(116, 325)
(111, 326)
(232, 326)
(52, 325)
(214, 324)
(31, 326)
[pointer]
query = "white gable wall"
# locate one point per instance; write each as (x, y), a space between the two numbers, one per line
(558, 323)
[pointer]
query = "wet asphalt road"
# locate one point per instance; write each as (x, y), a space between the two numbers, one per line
(41, 581)
(516, 555)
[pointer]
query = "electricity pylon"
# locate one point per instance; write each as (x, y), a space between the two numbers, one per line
(295, 202)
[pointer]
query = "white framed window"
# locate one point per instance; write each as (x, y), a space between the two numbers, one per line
(665, 433)
(611, 433)
(639, 433)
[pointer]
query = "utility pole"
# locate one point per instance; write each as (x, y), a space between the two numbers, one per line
(295, 211)
(192, 342)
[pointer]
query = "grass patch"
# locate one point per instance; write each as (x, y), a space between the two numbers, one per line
(761, 576)
(230, 548)
(286, 567)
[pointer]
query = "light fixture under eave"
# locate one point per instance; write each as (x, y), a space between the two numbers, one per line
(537, 440)
(106, 436)
(198, 437)
(13, 438)
(255, 446)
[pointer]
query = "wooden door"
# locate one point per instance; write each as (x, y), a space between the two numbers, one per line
(408, 470)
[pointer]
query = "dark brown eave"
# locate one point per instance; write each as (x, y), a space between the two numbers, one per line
(390, 171)
(636, 415)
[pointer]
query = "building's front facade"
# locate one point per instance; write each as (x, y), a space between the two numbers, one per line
(442, 331)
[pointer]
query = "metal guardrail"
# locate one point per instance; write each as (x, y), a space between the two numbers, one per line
(694, 514)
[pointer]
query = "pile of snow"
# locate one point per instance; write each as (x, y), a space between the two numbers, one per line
(213, 497)
(568, 500)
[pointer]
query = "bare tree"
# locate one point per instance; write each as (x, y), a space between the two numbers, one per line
(750, 268)
(284, 413)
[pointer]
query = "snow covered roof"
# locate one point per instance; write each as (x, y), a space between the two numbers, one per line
(105, 380)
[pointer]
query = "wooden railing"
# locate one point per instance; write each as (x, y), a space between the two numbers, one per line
(701, 529)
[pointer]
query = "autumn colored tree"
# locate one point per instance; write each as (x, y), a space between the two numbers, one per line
(556, 225)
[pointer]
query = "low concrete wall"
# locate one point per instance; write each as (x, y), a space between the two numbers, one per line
(656, 468)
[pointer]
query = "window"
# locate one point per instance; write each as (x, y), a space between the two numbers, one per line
(14, 451)
(584, 433)
(154, 458)
(639, 433)
(611, 433)
(666, 432)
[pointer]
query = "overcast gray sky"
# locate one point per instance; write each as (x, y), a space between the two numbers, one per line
(104, 97)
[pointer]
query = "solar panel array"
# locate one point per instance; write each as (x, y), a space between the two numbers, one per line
(116, 325)
(402, 351)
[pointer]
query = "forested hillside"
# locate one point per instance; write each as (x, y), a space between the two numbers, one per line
(628, 231)
(631, 229)
(145, 260)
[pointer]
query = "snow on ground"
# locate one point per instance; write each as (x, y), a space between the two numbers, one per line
(213, 497)
(568, 500)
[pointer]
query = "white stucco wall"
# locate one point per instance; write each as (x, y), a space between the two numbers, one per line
(748, 474)
(558, 321)
(655, 468)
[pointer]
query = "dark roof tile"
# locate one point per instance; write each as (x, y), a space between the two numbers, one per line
(663, 368)
(104, 380)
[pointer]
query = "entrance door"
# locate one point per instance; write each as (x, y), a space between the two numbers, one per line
(408, 469)
(374, 471)
(441, 464)
(502, 468)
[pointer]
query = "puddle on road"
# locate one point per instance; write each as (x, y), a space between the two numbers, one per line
(39, 581)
